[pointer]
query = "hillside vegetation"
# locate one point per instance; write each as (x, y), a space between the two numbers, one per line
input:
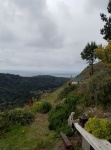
(38, 127)
(27, 128)
(98, 86)
(16, 90)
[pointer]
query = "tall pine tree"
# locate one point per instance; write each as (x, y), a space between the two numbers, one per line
(106, 31)
(88, 54)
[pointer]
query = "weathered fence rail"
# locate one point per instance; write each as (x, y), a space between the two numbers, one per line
(90, 142)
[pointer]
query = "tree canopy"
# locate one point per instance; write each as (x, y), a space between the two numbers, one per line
(88, 54)
(16, 90)
(106, 31)
(104, 54)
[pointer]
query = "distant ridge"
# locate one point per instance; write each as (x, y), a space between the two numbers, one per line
(16, 89)
(35, 73)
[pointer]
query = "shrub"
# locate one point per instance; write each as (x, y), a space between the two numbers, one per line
(101, 128)
(20, 115)
(45, 107)
(3, 122)
(36, 107)
(100, 90)
(58, 116)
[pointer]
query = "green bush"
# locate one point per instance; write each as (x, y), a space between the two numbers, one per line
(45, 107)
(101, 128)
(58, 116)
(20, 115)
(100, 90)
(3, 122)
(86, 101)
(36, 107)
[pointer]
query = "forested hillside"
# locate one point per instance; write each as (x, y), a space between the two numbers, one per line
(17, 90)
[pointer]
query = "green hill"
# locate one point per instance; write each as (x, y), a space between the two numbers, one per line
(98, 67)
(17, 90)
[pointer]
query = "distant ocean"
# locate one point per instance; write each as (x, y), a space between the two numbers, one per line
(67, 75)
(34, 73)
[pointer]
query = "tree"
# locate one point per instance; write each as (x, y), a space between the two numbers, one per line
(104, 54)
(88, 54)
(106, 31)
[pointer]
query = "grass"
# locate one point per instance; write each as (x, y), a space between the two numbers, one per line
(53, 97)
(17, 135)
(34, 137)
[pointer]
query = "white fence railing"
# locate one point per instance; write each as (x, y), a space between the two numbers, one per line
(90, 142)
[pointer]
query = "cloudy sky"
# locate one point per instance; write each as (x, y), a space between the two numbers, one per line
(47, 36)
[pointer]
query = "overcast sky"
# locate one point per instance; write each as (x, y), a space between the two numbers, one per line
(47, 36)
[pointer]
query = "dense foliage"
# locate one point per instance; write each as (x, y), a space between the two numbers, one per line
(104, 54)
(100, 89)
(21, 116)
(16, 90)
(41, 106)
(14, 117)
(4, 124)
(35, 107)
(106, 31)
(45, 107)
(58, 117)
(88, 54)
(101, 128)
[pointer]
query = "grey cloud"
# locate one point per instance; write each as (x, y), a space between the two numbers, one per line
(36, 7)
(32, 25)
(45, 33)
(34, 36)
(6, 36)
(93, 5)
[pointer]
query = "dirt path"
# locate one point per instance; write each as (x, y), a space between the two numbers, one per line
(39, 128)
(40, 131)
